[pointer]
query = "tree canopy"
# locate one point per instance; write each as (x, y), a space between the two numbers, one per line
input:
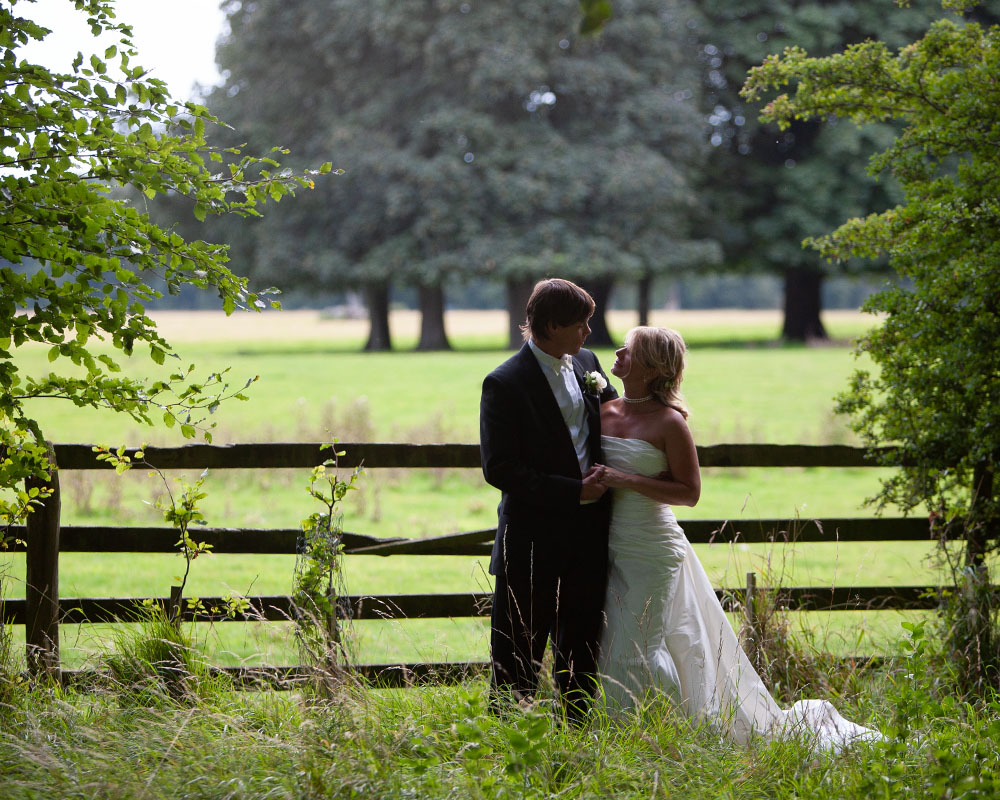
(477, 138)
(77, 259)
(935, 389)
(770, 188)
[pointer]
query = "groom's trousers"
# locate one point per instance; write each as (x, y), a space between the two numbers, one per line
(551, 586)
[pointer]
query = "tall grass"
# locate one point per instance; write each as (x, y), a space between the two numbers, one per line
(441, 743)
(154, 658)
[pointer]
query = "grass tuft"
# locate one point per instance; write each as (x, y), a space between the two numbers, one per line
(155, 661)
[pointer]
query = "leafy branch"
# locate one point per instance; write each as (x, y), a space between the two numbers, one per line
(318, 567)
(78, 259)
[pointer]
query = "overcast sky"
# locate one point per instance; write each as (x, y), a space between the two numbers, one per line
(175, 38)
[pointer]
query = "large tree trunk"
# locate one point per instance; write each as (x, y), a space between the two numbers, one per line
(600, 290)
(803, 305)
(377, 298)
(642, 299)
(518, 292)
(432, 333)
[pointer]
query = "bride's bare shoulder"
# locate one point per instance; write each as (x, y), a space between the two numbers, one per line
(672, 417)
(673, 425)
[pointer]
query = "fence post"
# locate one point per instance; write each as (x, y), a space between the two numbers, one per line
(976, 538)
(41, 592)
(752, 623)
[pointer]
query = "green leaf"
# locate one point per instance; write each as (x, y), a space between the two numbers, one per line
(595, 14)
(78, 140)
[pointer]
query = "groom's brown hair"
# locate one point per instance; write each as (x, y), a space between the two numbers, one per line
(556, 301)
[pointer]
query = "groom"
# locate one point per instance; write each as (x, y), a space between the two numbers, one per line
(540, 433)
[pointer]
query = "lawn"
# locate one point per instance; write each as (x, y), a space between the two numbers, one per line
(315, 385)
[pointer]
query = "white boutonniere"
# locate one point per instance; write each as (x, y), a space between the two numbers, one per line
(594, 382)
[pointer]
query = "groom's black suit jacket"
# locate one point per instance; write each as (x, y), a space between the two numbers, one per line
(528, 454)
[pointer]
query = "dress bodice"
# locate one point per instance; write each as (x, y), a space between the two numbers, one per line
(633, 455)
(635, 516)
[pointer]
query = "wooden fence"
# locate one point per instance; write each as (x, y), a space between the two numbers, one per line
(43, 610)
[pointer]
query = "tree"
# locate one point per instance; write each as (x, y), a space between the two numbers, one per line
(477, 138)
(76, 260)
(772, 188)
(935, 390)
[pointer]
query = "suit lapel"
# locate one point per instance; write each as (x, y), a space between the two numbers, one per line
(591, 402)
(550, 418)
(593, 405)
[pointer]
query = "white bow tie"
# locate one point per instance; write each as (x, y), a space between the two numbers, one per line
(565, 362)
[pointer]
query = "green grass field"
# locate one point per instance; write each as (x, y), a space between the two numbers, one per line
(315, 385)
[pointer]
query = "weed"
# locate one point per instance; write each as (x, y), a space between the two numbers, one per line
(318, 576)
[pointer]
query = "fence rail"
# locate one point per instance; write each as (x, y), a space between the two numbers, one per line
(43, 610)
(276, 455)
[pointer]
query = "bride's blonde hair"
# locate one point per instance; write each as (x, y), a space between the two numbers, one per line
(660, 351)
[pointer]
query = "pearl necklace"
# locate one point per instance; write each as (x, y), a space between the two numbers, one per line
(637, 399)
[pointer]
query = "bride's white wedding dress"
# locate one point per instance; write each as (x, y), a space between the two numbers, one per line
(666, 630)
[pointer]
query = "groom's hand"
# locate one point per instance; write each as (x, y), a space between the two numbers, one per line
(592, 488)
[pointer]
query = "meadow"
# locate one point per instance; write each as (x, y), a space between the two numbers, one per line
(315, 384)
(114, 740)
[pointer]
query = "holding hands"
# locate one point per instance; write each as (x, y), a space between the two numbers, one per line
(592, 488)
(616, 479)
(681, 489)
(609, 477)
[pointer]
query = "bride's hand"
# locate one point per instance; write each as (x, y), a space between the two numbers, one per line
(592, 488)
(609, 476)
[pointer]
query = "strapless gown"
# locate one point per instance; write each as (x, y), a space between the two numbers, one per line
(667, 633)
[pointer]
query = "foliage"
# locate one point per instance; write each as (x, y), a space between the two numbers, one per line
(154, 659)
(476, 137)
(770, 188)
(77, 261)
(968, 626)
(318, 572)
(20, 459)
(181, 512)
(794, 662)
(158, 655)
(936, 392)
(11, 672)
(438, 742)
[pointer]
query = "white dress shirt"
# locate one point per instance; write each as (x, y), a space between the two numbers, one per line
(559, 373)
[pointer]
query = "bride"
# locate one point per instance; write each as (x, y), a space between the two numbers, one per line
(666, 630)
